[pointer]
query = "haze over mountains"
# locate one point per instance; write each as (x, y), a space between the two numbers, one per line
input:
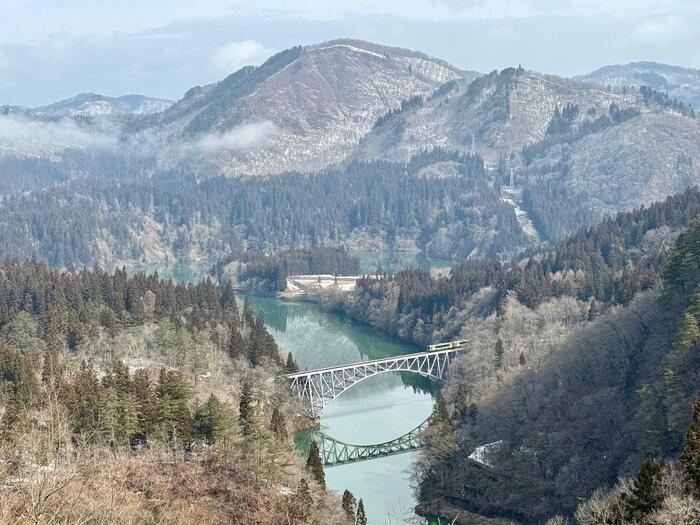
(576, 150)
(679, 82)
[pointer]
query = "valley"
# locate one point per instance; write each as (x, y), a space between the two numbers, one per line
(166, 266)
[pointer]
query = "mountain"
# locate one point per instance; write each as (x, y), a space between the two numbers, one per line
(576, 151)
(678, 82)
(303, 109)
(576, 366)
(579, 151)
(638, 161)
(501, 112)
(92, 105)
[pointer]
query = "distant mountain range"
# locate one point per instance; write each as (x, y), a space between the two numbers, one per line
(678, 82)
(578, 149)
(92, 105)
(311, 106)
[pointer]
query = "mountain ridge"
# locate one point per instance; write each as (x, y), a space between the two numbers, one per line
(678, 82)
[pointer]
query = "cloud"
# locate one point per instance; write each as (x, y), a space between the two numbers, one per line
(37, 137)
(243, 137)
(234, 55)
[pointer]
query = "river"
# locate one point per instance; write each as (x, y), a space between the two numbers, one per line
(376, 410)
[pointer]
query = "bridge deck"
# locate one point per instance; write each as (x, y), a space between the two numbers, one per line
(372, 362)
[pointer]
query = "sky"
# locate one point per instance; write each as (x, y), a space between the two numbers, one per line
(54, 49)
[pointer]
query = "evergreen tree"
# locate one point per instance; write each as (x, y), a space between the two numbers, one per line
(348, 505)
(300, 509)
(291, 367)
(647, 493)
(498, 354)
(461, 402)
(245, 407)
(109, 415)
(694, 306)
(134, 304)
(440, 413)
(236, 344)
(52, 370)
(361, 516)
(691, 453)
(248, 315)
(213, 420)
(262, 452)
(593, 310)
(521, 359)
(315, 465)
(689, 333)
(84, 409)
(147, 401)
(278, 425)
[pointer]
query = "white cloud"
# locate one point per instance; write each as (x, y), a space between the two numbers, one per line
(37, 137)
(234, 55)
(243, 137)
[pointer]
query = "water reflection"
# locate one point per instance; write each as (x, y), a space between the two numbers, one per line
(378, 409)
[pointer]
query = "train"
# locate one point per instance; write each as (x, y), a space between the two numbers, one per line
(446, 346)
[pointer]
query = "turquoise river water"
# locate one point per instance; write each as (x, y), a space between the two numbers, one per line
(376, 410)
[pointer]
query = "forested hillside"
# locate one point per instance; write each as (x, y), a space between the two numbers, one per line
(267, 273)
(525, 382)
(578, 151)
(616, 389)
(442, 202)
(136, 400)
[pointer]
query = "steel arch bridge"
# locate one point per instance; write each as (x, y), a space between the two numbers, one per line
(335, 452)
(317, 388)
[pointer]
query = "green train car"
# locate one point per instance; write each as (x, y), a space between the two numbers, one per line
(446, 346)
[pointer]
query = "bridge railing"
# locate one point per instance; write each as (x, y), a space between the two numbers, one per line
(372, 362)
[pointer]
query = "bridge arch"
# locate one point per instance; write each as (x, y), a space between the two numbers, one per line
(317, 388)
(336, 452)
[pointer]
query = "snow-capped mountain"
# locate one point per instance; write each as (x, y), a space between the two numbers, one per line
(303, 109)
(496, 114)
(678, 82)
(92, 105)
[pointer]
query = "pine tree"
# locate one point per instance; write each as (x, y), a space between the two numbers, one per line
(300, 509)
(348, 505)
(248, 315)
(134, 305)
(694, 306)
(291, 366)
(278, 425)
(109, 415)
(440, 413)
(245, 407)
(213, 420)
(689, 333)
(593, 310)
(461, 402)
(315, 465)
(236, 344)
(647, 493)
(521, 359)
(361, 516)
(498, 354)
(52, 370)
(691, 453)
